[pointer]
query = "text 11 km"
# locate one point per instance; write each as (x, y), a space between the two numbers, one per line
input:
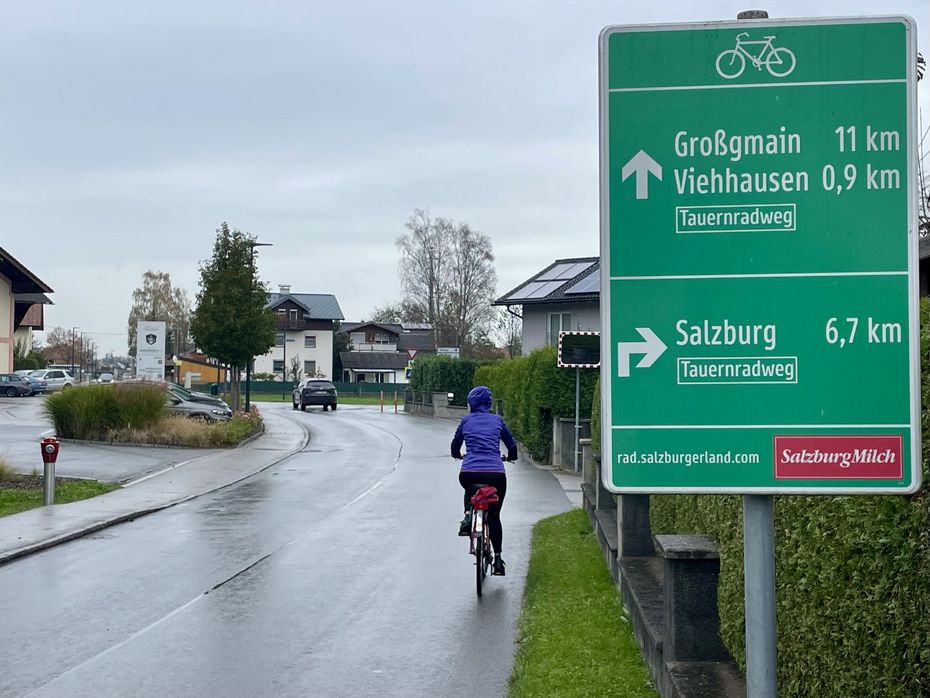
(876, 140)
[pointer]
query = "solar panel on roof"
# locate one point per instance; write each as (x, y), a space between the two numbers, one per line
(545, 289)
(526, 290)
(557, 272)
(564, 271)
(589, 284)
(577, 269)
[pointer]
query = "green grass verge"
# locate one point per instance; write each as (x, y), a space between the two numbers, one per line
(574, 635)
(15, 501)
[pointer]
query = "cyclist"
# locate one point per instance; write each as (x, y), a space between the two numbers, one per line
(482, 433)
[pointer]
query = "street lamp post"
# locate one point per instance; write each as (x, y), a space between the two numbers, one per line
(72, 349)
(248, 366)
(284, 358)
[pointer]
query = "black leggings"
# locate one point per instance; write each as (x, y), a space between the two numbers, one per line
(471, 482)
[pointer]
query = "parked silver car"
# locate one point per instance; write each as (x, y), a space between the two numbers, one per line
(199, 410)
(57, 378)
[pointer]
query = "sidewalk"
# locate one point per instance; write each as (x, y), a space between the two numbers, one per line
(43, 527)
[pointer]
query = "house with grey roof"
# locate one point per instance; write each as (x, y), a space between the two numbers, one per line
(563, 296)
(382, 352)
(306, 324)
(22, 301)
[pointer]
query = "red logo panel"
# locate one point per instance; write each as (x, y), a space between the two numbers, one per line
(850, 457)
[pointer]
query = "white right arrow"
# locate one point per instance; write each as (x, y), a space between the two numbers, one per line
(652, 347)
(642, 164)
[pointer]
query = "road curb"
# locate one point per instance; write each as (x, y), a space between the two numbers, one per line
(39, 546)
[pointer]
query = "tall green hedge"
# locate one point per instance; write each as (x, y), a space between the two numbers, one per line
(443, 374)
(852, 581)
(596, 417)
(534, 391)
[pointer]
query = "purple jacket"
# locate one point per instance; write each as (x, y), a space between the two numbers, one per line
(482, 433)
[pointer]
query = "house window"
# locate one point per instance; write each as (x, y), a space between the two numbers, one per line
(293, 315)
(382, 338)
(278, 365)
(279, 339)
(309, 341)
(558, 322)
(357, 338)
(310, 368)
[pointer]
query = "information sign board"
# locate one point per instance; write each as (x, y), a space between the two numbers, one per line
(759, 257)
(579, 349)
(150, 350)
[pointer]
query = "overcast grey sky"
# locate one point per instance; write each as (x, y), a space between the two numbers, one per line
(130, 131)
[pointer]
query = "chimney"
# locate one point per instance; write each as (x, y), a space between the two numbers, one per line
(285, 289)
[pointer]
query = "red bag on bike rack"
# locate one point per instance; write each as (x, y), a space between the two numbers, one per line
(484, 497)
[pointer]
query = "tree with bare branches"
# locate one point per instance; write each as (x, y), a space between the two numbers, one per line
(448, 278)
(424, 265)
(158, 299)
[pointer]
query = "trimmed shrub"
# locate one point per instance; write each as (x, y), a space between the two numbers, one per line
(534, 391)
(596, 417)
(443, 374)
(852, 580)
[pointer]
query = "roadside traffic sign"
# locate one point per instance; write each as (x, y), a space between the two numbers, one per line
(759, 257)
(579, 349)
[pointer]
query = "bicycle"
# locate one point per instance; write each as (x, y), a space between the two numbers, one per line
(772, 58)
(480, 539)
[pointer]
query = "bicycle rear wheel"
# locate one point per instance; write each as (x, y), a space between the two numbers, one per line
(479, 564)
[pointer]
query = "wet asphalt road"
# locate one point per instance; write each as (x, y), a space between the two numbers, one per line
(23, 424)
(334, 573)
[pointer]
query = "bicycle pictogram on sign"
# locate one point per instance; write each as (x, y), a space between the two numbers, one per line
(732, 62)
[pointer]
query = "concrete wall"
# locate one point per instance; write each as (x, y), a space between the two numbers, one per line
(322, 354)
(585, 316)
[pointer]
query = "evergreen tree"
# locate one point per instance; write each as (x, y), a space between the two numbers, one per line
(231, 322)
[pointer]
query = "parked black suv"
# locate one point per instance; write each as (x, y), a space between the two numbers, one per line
(312, 391)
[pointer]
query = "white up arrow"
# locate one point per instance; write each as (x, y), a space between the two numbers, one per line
(652, 347)
(642, 165)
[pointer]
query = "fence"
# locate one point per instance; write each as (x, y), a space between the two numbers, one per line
(357, 389)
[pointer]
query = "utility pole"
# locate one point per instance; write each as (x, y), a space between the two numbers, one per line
(72, 349)
(248, 366)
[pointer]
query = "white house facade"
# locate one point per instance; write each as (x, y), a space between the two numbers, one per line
(304, 341)
(384, 352)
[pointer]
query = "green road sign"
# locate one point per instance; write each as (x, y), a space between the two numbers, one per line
(759, 257)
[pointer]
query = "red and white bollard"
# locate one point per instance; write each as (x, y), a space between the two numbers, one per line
(50, 447)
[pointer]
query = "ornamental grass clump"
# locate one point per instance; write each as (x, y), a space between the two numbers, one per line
(90, 412)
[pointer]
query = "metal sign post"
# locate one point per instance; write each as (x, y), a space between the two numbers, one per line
(578, 350)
